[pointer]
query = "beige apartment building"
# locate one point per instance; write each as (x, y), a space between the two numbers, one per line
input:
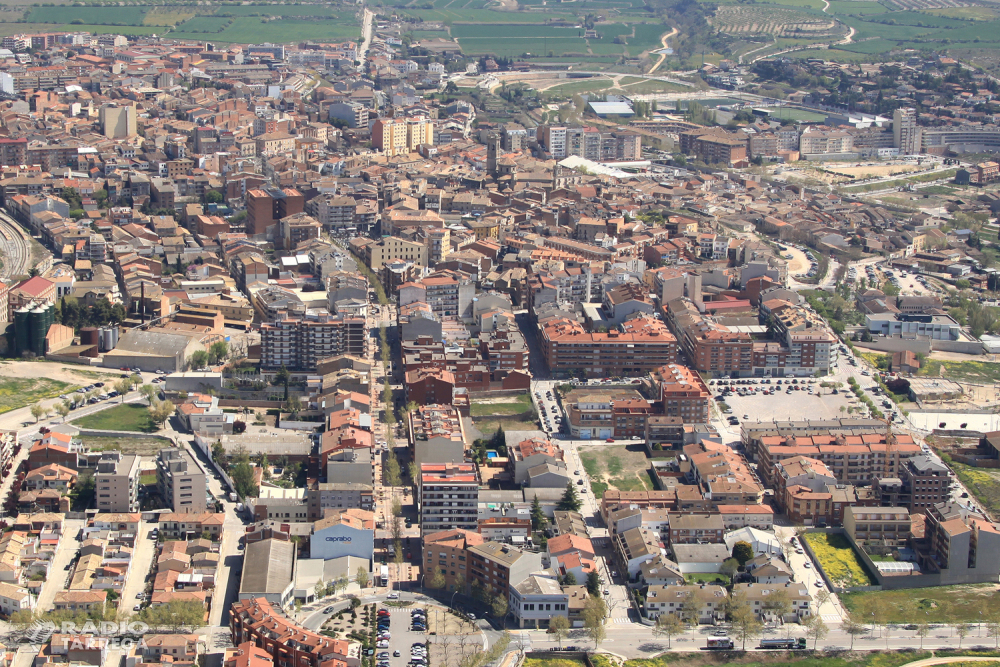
(117, 481)
(181, 481)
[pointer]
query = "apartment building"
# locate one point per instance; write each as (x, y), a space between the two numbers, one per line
(334, 212)
(712, 347)
(180, 480)
(265, 207)
(853, 459)
(697, 529)
(640, 346)
(959, 546)
(756, 595)
(299, 343)
(376, 254)
(924, 483)
(446, 551)
(683, 393)
(449, 294)
(906, 135)
(590, 143)
(889, 526)
(602, 414)
(805, 344)
(495, 567)
(714, 145)
(339, 495)
(537, 600)
(437, 434)
(705, 604)
(117, 482)
(448, 495)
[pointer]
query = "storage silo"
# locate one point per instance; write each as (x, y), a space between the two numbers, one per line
(39, 321)
(21, 330)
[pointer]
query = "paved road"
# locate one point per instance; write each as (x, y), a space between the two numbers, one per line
(69, 545)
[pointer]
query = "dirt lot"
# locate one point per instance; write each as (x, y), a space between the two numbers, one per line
(875, 171)
(141, 446)
(56, 371)
(623, 467)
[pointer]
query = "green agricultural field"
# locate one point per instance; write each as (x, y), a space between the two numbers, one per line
(599, 48)
(838, 560)
(120, 16)
(487, 16)
(19, 392)
(284, 11)
(207, 24)
(940, 604)
(847, 8)
(967, 13)
(513, 47)
(471, 30)
(167, 16)
(652, 87)
(122, 417)
(962, 371)
(251, 29)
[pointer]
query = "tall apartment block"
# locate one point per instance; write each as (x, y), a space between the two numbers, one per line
(266, 207)
(448, 497)
(117, 481)
(181, 480)
(298, 343)
(905, 133)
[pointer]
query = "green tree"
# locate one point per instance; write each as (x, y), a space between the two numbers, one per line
(743, 619)
(362, 577)
(199, 358)
(282, 377)
(742, 552)
(218, 452)
(436, 579)
(37, 411)
(392, 472)
(538, 519)
(668, 625)
(242, 475)
(816, 629)
(595, 613)
(213, 197)
(123, 387)
(594, 583)
(218, 351)
(570, 500)
(559, 626)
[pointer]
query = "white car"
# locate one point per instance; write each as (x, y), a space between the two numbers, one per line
(393, 596)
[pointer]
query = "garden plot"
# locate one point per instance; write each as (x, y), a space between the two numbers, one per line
(751, 21)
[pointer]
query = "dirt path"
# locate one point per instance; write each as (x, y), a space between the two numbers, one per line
(663, 56)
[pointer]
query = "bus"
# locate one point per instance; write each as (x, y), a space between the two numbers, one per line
(789, 644)
(383, 576)
(719, 644)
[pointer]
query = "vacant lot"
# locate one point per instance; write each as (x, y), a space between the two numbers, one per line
(942, 604)
(983, 483)
(838, 560)
(18, 392)
(785, 658)
(501, 406)
(623, 467)
(962, 371)
(141, 446)
(122, 417)
(876, 171)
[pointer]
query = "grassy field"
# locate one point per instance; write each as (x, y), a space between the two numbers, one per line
(552, 662)
(983, 483)
(120, 16)
(210, 24)
(141, 446)
(513, 405)
(122, 417)
(797, 114)
(19, 392)
(967, 371)
(940, 604)
(838, 560)
(785, 658)
(592, 85)
(622, 467)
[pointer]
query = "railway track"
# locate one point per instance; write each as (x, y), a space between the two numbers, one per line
(14, 249)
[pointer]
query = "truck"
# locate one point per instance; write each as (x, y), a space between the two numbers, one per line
(791, 643)
(383, 575)
(719, 644)
(233, 498)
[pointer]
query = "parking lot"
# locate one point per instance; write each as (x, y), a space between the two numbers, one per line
(799, 403)
(549, 411)
(401, 640)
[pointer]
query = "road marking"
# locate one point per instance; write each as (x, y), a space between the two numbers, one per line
(831, 618)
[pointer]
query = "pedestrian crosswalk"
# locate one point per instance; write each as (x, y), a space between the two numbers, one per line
(620, 620)
(831, 618)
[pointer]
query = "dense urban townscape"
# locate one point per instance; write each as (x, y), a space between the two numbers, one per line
(495, 334)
